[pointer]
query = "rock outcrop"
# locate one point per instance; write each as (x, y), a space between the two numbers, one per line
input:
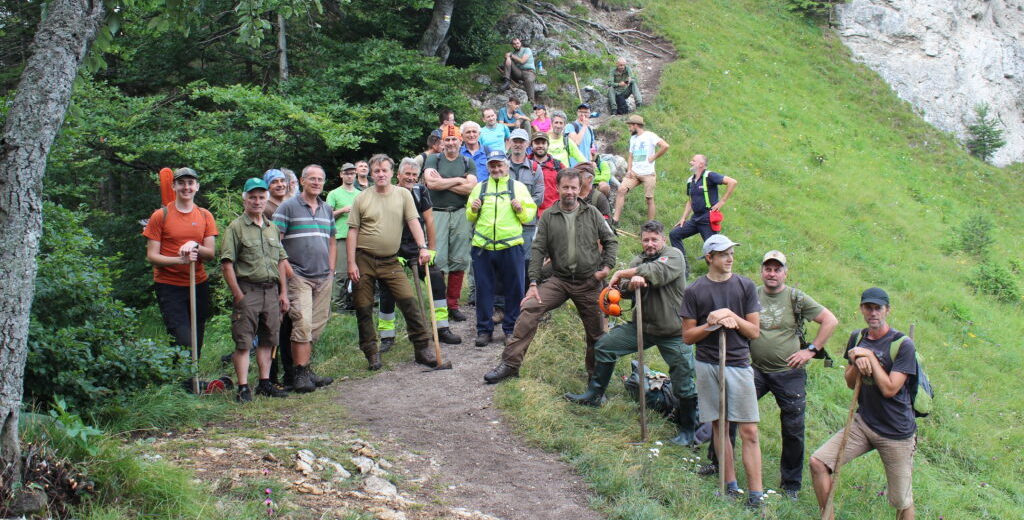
(946, 57)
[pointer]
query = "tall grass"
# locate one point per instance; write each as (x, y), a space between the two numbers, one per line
(847, 180)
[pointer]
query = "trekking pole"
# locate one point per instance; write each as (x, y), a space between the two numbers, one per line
(829, 510)
(433, 317)
(579, 94)
(643, 371)
(193, 322)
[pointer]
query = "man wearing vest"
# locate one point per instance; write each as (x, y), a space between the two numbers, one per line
(254, 266)
(549, 166)
(379, 215)
(658, 272)
(568, 234)
(885, 361)
(450, 177)
(702, 188)
(408, 252)
(779, 357)
(498, 208)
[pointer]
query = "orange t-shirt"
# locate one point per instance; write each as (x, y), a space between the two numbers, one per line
(179, 228)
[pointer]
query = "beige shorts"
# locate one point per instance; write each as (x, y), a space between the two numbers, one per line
(309, 303)
(897, 458)
(632, 180)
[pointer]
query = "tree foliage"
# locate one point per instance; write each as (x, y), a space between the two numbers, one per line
(984, 137)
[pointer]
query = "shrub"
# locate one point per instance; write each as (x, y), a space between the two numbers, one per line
(973, 236)
(995, 280)
(984, 137)
(84, 344)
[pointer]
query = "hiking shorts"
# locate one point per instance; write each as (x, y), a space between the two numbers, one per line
(309, 301)
(897, 457)
(633, 180)
(258, 314)
(740, 395)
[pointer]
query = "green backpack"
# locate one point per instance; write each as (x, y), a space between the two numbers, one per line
(921, 393)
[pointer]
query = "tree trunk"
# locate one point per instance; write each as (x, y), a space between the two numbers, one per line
(44, 92)
(282, 49)
(436, 31)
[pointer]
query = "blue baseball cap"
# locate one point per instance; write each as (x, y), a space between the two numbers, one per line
(254, 183)
(497, 155)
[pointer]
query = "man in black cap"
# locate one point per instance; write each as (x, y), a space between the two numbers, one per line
(885, 360)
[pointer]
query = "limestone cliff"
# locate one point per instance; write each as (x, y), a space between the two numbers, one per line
(945, 57)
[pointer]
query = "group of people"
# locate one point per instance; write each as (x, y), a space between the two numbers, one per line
(527, 219)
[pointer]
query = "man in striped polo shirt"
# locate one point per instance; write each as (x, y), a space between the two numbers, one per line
(307, 232)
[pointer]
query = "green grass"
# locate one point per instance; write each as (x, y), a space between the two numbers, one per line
(841, 175)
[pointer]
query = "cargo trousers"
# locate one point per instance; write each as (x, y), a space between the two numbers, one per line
(392, 277)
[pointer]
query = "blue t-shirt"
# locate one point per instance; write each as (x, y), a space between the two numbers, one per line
(479, 159)
(588, 138)
(505, 117)
(524, 51)
(494, 138)
(890, 417)
(695, 189)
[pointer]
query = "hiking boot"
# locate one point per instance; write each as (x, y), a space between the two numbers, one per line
(288, 380)
(244, 395)
(374, 361)
(456, 315)
(793, 494)
(505, 85)
(594, 396)
(498, 315)
(708, 470)
(686, 419)
(386, 344)
(267, 389)
(483, 338)
(755, 500)
(500, 372)
(424, 355)
(319, 381)
(303, 380)
(448, 337)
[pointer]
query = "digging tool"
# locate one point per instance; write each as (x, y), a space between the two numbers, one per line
(722, 439)
(579, 93)
(643, 371)
(193, 322)
(433, 318)
(627, 233)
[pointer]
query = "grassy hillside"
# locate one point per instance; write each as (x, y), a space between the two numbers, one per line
(846, 179)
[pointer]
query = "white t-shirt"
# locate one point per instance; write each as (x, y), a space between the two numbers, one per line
(641, 147)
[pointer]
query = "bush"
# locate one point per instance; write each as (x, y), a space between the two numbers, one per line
(995, 280)
(984, 137)
(973, 236)
(814, 8)
(84, 344)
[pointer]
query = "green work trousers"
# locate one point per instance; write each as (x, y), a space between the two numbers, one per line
(454, 234)
(621, 341)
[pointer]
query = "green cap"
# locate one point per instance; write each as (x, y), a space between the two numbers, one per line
(254, 183)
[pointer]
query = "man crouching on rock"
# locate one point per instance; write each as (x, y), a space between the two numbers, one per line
(378, 216)
(659, 273)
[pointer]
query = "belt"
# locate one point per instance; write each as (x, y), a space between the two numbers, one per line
(375, 257)
(448, 210)
(262, 285)
(574, 278)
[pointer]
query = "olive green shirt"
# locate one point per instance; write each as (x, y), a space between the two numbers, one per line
(778, 340)
(664, 272)
(255, 251)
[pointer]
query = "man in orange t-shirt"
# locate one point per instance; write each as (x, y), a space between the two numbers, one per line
(180, 233)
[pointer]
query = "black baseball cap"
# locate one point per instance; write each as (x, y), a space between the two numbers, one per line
(876, 296)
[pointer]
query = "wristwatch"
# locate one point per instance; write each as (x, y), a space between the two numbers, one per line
(533, 282)
(812, 348)
(423, 246)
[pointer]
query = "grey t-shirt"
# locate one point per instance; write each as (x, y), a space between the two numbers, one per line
(891, 417)
(703, 296)
(307, 236)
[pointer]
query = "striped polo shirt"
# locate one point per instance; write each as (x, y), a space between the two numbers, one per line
(306, 236)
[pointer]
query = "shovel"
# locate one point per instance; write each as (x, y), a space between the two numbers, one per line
(193, 322)
(433, 319)
(722, 426)
(643, 372)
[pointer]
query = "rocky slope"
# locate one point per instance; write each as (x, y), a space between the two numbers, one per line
(946, 57)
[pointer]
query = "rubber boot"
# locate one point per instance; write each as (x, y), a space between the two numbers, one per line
(686, 418)
(594, 396)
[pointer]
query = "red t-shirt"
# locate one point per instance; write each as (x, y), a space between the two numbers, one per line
(179, 228)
